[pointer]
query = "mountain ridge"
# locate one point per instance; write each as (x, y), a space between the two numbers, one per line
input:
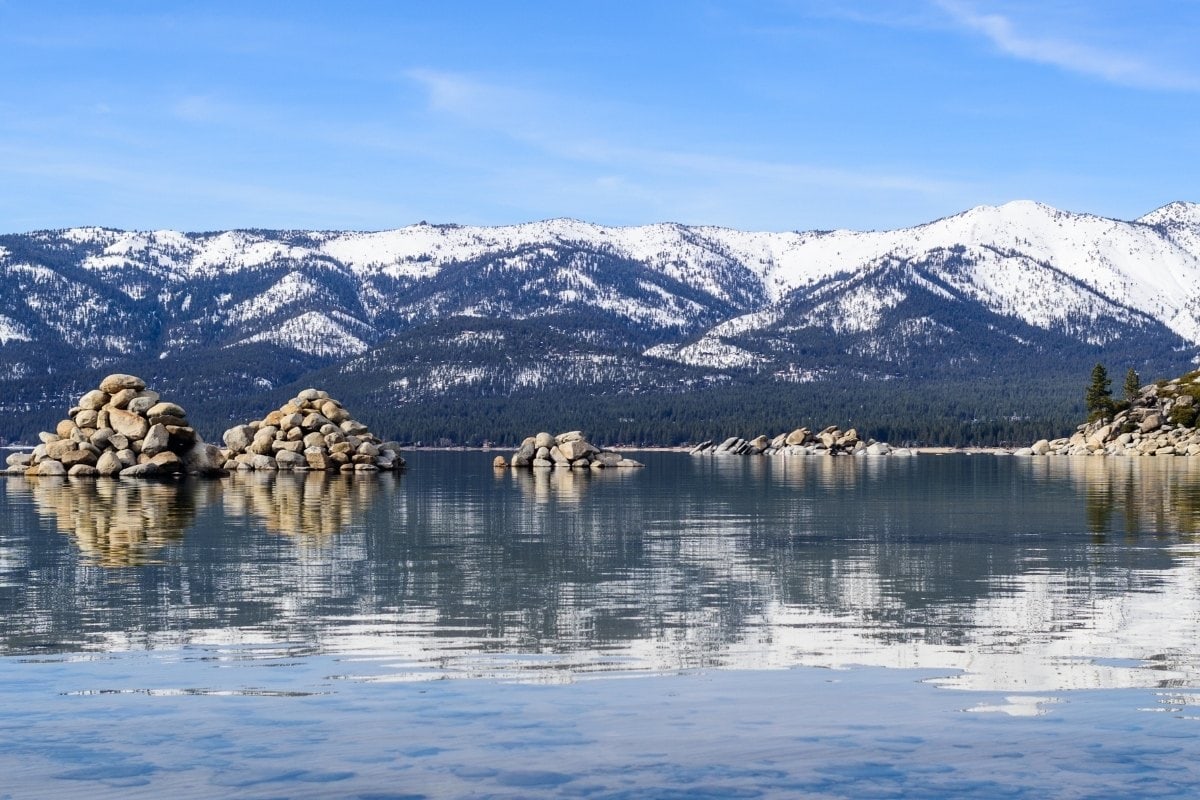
(434, 313)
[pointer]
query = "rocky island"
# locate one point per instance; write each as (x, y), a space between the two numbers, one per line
(830, 441)
(312, 431)
(569, 450)
(120, 428)
(124, 429)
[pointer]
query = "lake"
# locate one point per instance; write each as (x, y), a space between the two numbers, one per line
(936, 626)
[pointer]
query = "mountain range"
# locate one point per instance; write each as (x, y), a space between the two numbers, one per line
(972, 328)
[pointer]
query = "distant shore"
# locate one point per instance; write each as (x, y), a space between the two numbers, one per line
(929, 451)
(933, 451)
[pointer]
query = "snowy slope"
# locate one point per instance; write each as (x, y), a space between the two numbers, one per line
(1130, 262)
(992, 284)
(1151, 265)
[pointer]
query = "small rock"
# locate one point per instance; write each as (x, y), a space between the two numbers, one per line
(143, 402)
(108, 463)
(146, 470)
(163, 408)
(78, 457)
(56, 450)
(94, 400)
(287, 459)
(48, 468)
(23, 459)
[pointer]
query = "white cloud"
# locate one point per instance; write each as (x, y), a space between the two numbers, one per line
(1075, 56)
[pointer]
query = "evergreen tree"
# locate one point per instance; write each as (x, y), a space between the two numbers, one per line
(1133, 385)
(1098, 397)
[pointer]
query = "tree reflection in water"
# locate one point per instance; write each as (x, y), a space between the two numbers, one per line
(963, 563)
(1133, 496)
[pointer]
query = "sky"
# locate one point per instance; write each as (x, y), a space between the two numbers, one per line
(757, 114)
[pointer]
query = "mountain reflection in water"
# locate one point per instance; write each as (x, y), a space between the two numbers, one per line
(1015, 574)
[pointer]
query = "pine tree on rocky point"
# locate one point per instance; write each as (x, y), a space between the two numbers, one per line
(1133, 385)
(1098, 397)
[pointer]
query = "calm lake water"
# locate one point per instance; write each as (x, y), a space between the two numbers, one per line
(938, 626)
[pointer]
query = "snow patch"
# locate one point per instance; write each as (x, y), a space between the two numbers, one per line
(12, 331)
(312, 333)
(709, 351)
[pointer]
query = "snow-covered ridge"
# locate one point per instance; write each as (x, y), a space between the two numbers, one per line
(1049, 268)
(1108, 254)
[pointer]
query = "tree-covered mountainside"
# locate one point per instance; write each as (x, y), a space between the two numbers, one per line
(976, 329)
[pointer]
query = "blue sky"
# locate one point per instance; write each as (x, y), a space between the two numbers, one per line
(756, 115)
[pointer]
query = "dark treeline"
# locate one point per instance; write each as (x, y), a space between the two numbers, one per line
(901, 412)
(952, 414)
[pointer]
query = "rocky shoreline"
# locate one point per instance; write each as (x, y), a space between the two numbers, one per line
(124, 429)
(831, 441)
(1159, 421)
(569, 450)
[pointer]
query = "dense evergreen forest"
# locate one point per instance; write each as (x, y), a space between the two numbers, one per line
(953, 414)
(959, 412)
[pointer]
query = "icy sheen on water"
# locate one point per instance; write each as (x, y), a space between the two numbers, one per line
(938, 626)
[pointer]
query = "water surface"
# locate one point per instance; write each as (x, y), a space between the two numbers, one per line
(930, 626)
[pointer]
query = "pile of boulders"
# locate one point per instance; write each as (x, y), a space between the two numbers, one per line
(1160, 421)
(569, 450)
(120, 428)
(311, 431)
(831, 441)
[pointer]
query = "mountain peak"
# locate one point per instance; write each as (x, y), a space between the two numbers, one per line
(1177, 213)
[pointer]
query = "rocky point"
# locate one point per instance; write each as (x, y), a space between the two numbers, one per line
(1159, 421)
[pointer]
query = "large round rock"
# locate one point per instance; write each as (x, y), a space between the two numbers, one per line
(118, 381)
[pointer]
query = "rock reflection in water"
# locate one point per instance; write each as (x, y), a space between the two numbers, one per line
(116, 523)
(311, 506)
(559, 485)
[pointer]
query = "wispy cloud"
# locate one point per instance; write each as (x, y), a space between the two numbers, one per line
(1121, 69)
(564, 128)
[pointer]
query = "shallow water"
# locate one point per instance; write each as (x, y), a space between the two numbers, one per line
(894, 627)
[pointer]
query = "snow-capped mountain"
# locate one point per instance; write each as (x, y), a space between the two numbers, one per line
(427, 311)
